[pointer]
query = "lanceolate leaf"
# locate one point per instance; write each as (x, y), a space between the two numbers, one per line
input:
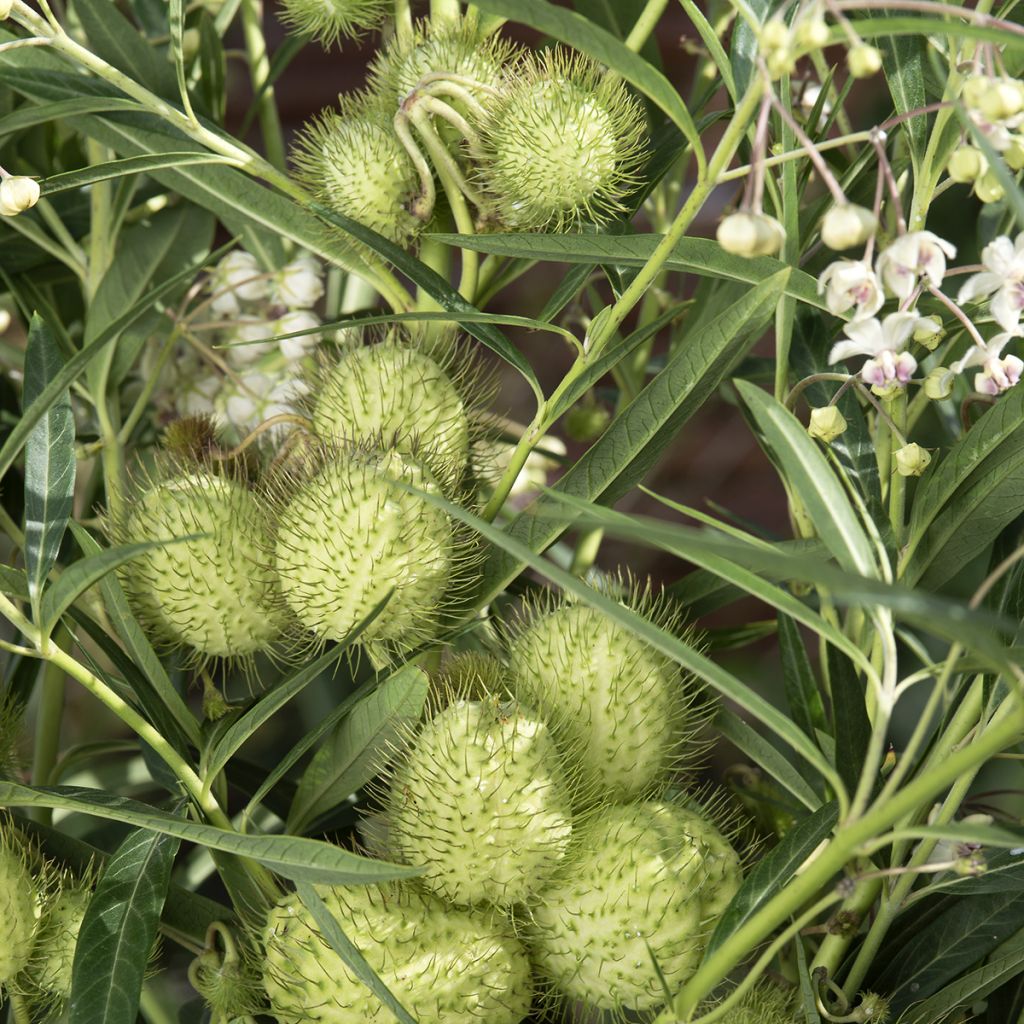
(773, 871)
(120, 168)
(354, 754)
(119, 929)
(49, 460)
(296, 858)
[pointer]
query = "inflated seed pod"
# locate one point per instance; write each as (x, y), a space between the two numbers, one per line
(214, 593)
(353, 162)
(479, 801)
(443, 964)
(561, 144)
(395, 395)
(58, 937)
(330, 20)
(349, 534)
(617, 707)
(20, 908)
(639, 880)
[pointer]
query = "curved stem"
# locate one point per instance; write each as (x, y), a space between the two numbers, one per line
(645, 24)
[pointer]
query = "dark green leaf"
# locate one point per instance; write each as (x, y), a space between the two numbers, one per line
(32, 114)
(850, 717)
(49, 459)
(293, 857)
(802, 692)
(773, 871)
(364, 739)
(120, 168)
(119, 929)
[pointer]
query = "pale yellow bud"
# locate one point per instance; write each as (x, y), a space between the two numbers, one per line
(967, 164)
(974, 91)
(5, 9)
(780, 62)
(1001, 100)
(848, 225)
(17, 193)
(827, 423)
(911, 460)
(750, 234)
(929, 332)
(1014, 154)
(988, 188)
(775, 35)
(812, 33)
(864, 60)
(939, 383)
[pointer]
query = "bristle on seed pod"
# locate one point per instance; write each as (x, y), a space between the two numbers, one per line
(330, 20)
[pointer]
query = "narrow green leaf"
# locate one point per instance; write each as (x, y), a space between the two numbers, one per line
(850, 716)
(293, 857)
(42, 113)
(149, 675)
(773, 871)
(176, 23)
(745, 50)
(903, 62)
(712, 44)
(119, 929)
(365, 737)
(13, 583)
(808, 474)
(691, 255)
(79, 577)
(330, 928)
(1008, 35)
(121, 168)
(808, 1002)
(802, 694)
(583, 35)
(762, 753)
(49, 459)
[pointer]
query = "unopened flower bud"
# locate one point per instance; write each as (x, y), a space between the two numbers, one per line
(5, 9)
(847, 225)
(873, 1008)
(1001, 100)
(812, 33)
(911, 460)
(967, 164)
(776, 42)
(17, 194)
(827, 423)
(586, 421)
(751, 234)
(974, 90)
(1014, 154)
(988, 188)
(929, 332)
(864, 60)
(970, 862)
(939, 383)
(5, 320)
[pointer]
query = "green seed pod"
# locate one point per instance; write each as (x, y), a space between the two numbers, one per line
(58, 936)
(444, 965)
(348, 535)
(19, 908)
(763, 1004)
(329, 20)
(457, 50)
(225, 974)
(617, 707)
(562, 145)
(638, 880)
(214, 593)
(480, 802)
(354, 163)
(393, 395)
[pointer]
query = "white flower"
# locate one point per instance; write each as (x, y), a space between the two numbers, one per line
(294, 349)
(196, 397)
(883, 341)
(298, 284)
(1003, 274)
(257, 397)
(17, 194)
(237, 277)
(914, 255)
(849, 283)
(248, 340)
(1000, 372)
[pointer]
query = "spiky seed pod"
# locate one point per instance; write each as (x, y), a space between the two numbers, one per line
(348, 535)
(19, 907)
(562, 145)
(471, 675)
(480, 802)
(457, 49)
(226, 975)
(638, 880)
(354, 163)
(617, 707)
(444, 965)
(329, 20)
(58, 936)
(215, 593)
(763, 1004)
(393, 395)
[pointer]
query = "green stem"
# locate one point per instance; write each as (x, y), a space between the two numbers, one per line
(645, 277)
(586, 551)
(20, 1013)
(100, 251)
(403, 21)
(49, 715)
(445, 10)
(898, 484)
(530, 439)
(259, 69)
(645, 24)
(830, 860)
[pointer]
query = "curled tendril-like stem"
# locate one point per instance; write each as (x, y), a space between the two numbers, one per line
(301, 422)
